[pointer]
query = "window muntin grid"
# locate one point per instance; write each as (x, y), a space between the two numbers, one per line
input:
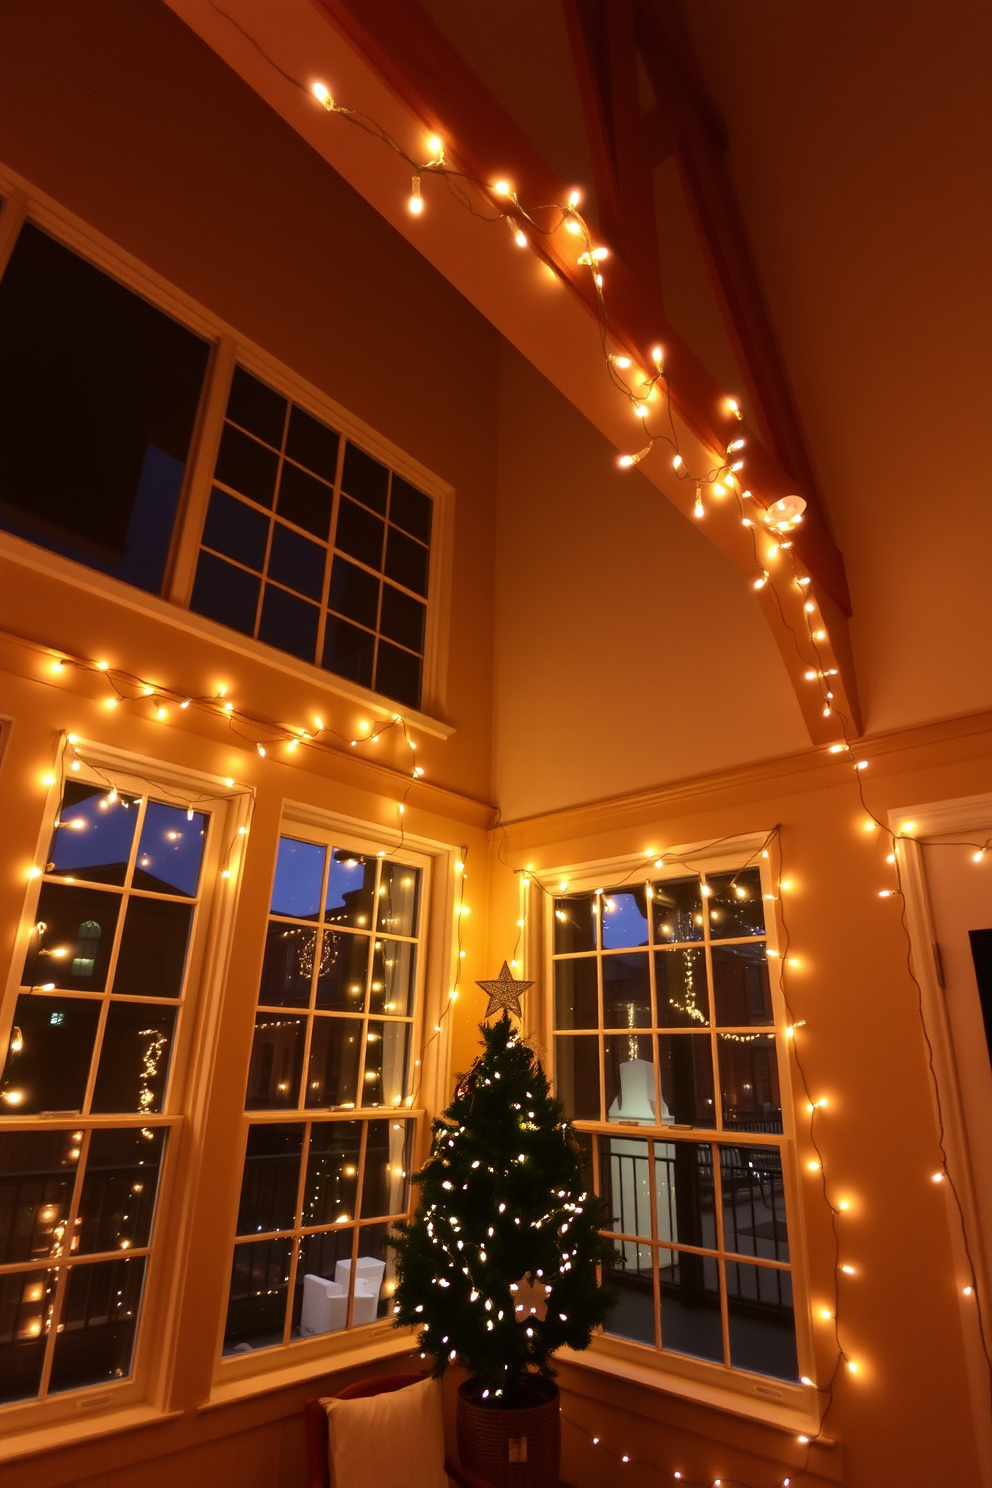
(95, 1024)
(338, 991)
(662, 1003)
(314, 547)
(312, 1253)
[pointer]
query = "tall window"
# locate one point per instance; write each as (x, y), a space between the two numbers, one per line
(315, 547)
(85, 1091)
(667, 1059)
(338, 1007)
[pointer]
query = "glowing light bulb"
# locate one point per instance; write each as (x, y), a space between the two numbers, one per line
(322, 95)
(623, 362)
(698, 509)
(677, 462)
(573, 227)
(656, 355)
(642, 410)
(436, 145)
(160, 713)
(760, 583)
(520, 238)
(848, 1270)
(937, 1178)
(501, 188)
(416, 203)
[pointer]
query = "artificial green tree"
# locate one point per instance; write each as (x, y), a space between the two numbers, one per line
(498, 1267)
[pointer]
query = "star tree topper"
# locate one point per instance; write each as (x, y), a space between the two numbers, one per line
(504, 992)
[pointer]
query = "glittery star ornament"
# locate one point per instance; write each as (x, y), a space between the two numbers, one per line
(504, 992)
(530, 1300)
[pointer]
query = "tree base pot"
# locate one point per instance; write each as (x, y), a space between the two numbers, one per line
(519, 1447)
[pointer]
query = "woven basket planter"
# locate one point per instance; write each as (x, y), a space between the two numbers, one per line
(519, 1448)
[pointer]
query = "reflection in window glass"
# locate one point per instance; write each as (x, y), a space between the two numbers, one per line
(37, 1175)
(686, 1062)
(271, 1177)
(170, 850)
(332, 1173)
(72, 939)
(93, 836)
(343, 971)
(134, 1058)
(299, 874)
(398, 899)
(741, 993)
(735, 904)
(97, 1324)
(627, 991)
(575, 923)
(25, 1299)
(690, 1305)
(678, 910)
(762, 1322)
(683, 1000)
(335, 1056)
(350, 889)
(577, 1076)
(287, 967)
(151, 960)
(624, 918)
(256, 1305)
(49, 1054)
(749, 1082)
(628, 1065)
(753, 1190)
(276, 1063)
(576, 996)
(120, 1189)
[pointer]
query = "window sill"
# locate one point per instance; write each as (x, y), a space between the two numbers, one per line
(316, 1366)
(794, 1419)
(40, 560)
(66, 1433)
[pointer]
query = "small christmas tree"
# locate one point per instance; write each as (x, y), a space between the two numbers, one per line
(498, 1267)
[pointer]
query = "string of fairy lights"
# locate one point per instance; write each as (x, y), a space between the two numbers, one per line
(642, 381)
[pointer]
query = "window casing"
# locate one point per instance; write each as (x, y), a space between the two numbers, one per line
(331, 1106)
(98, 1023)
(662, 1001)
(335, 563)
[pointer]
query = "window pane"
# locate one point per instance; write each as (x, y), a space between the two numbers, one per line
(256, 1310)
(365, 479)
(25, 1299)
(735, 904)
(687, 1079)
(577, 1076)
(402, 618)
(117, 1204)
(312, 443)
(754, 1202)
(332, 1173)
(73, 936)
(399, 899)
(397, 675)
(348, 651)
(247, 466)
(320, 1304)
(349, 889)
(287, 967)
(387, 1050)
(406, 561)
(690, 1305)
(625, 1184)
(344, 964)
(288, 623)
(354, 592)
(410, 509)
(37, 1171)
(629, 1069)
(97, 1325)
(375, 1275)
(48, 1065)
(332, 1078)
(299, 874)
(393, 968)
(256, 407)
(683, 1183)
(276, 1063)
(678, 910)
(152, 957)
(236, 530)
(99, 392)
(171, 850)
(749, 1082)
(626, 991)
(93, 836)
(387, 1162)
(135, 1057)
(575, 924)
(271, 1177)
(576, 994)
(680, 979)
(632, 1280)
(359, 534)
(762, 1325)
(297, 562)
(226, 594)
(305, 501)
(741, 994)
(625, 918)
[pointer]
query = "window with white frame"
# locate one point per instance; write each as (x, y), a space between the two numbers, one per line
(329, 1122)
(308, 542)
(667, 1058)
(90, 1090)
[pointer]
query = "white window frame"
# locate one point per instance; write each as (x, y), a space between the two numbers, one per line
(25, 203)
(184, 1098)
(778, 1401)
(239, 1375)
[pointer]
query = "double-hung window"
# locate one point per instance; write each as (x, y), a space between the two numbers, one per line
(330, 1106)
(668, 1056)
(98, 1021)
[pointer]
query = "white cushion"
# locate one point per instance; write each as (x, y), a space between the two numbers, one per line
(381, 1441)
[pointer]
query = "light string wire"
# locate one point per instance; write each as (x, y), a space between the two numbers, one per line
(461, 872)
(128, 688)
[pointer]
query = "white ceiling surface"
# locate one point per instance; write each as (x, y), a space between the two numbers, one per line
(861, 152)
